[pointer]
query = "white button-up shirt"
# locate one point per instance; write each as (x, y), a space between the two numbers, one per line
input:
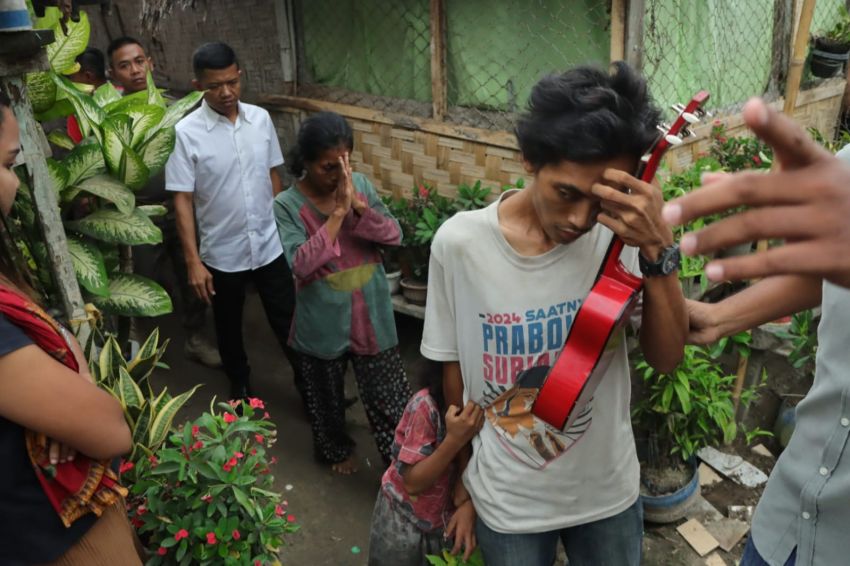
(226, 165)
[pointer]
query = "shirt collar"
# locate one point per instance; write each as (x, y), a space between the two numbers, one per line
(211, 117)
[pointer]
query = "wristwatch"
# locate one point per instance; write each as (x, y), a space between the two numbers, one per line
(668, 261)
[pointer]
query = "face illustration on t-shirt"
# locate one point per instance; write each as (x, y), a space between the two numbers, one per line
(512, 343)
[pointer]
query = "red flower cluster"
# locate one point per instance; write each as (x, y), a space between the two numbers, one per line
(229, 418)
(236, 535)
(181, 534)
(195, 430)
(211, 538)
(125, 466)
(229, 465)
(256, 403)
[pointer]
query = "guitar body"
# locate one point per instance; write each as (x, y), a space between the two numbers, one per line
(586, 354)
(572, 381)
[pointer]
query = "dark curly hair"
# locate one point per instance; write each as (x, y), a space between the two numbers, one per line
(588, 115)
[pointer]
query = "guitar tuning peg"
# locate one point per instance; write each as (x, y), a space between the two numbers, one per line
(703, 113)
(687, 133)
(678, 108)
(663, 127)
(673, 140)
(690, 118)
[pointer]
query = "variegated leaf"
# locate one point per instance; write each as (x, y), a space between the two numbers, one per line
(126, 102)
(106, 94)
(145, 117)
(141, 429)
(61, 139)
(58, 174)
(134, 295)
(111, 226)
(62, 53)
(61, 109)
(134, 173)
(152, 210)
(41, 91)
(122, 160)
(108, 188)
(120, 125)
(84, 161)
(88, 265)
(156, 151)
(130, 393)
(154, 96)
(161, 424)
(89, 115)
(176, 111)
(105, 362)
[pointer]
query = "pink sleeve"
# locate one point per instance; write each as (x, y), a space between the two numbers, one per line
(375, 227)
(420, 437)
(315, 252)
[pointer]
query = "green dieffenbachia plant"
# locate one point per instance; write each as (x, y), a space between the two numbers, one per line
(126, 139)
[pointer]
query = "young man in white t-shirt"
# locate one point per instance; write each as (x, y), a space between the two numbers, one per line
(504, 286)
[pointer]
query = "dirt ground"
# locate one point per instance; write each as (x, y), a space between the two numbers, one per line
(334, 511)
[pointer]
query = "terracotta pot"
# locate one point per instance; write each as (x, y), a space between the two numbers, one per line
(414, 291)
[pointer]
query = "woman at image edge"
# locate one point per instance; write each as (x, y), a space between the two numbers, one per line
(60, 503)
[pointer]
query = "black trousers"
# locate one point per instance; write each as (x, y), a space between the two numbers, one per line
(276, 288)
(383, 388)
(156, 261)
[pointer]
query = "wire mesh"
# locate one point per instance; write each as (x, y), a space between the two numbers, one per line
(495, 56)
(723, 47)
(368, 53)
(376, 53)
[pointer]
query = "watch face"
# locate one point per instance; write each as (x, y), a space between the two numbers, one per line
(671, 261)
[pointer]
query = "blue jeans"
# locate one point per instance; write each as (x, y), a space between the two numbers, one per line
(752, 557)
(615, 541)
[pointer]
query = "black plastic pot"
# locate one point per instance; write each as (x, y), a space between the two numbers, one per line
(828, 57)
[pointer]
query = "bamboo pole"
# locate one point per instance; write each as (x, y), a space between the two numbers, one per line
(618, 30)
(438, 60)
(792, 88)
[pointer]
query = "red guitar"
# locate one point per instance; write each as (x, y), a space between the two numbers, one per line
(572, 381)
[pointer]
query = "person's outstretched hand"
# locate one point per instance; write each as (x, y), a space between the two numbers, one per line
(806, 202)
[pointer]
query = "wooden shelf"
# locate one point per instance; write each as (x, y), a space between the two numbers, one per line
(401, 305)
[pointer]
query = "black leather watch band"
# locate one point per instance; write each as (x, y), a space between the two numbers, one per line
(668, 261)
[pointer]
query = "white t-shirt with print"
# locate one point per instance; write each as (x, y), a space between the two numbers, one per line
(497, 313)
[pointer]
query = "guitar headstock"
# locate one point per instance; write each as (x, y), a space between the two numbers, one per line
(672, 134)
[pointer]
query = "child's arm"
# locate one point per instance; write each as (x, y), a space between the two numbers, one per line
(461, 528)
(461, 426)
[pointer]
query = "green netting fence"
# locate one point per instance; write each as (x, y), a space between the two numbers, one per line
(376, 53)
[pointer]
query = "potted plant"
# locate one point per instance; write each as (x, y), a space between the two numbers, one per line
(680, 413)
(207, 495)
(420, 217)
(830, 50)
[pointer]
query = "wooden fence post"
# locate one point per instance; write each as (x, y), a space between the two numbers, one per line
(439, 104)
(618, 30)
(634, 33)
(12, 69)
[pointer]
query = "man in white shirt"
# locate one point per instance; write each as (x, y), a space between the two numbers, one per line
(223, 175)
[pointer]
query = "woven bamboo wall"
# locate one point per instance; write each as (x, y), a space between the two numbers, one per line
(399, 152)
